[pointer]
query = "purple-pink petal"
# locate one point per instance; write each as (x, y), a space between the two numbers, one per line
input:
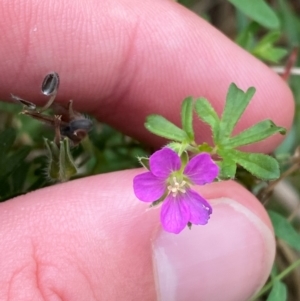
(201, 169)
(175, 213)
(200, 209)
(147, 187)
(163, 162)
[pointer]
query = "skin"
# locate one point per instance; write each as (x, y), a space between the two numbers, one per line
(90, 239)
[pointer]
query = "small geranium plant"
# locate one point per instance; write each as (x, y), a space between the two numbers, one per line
(182, 163)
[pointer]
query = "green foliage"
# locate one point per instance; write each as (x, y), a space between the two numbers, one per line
(260, 165)
(278, 292)
(290, 22)
(284, 230)
(106, 150)
(265, 49)
(14, 168)
(259, 11)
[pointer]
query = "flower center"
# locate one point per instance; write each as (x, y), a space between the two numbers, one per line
(177, 186)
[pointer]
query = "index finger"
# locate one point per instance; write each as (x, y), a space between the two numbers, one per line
(124, 60)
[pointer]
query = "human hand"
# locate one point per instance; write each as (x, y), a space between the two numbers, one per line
(90, 239)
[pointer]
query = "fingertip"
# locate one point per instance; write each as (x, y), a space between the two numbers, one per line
(232, 254)
(97, 223)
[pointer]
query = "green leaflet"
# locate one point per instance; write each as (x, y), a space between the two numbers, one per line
(187, 117)
(267, 51)
(257, 132)
(206, 112)
(162, 127)
(236, 102)
(260, 165)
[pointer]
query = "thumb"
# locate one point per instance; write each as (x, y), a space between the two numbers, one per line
(90, 239)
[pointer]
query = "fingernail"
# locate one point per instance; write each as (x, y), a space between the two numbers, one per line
(228, 259)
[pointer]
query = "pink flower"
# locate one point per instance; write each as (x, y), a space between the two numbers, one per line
(169, 181)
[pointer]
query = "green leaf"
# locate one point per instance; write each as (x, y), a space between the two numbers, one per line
(258, 132)
(267, 51)
(270, 38)
(162, 127)
(206, 113)
(236, 103)
(270, 54)
(284, 230)
(260, 165)
(259, 11)
(187, 117)
(278, 292)
(246, 37)
(290, 22)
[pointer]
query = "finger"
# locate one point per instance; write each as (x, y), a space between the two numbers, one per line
(124, 60)
(90, 239)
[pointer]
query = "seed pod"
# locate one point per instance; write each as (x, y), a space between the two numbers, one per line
(61, 166)
(49, 88)
(50, 84)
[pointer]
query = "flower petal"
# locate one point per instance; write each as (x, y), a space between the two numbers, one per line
(200, 209)
(163, 162)
(147, 187)
(201, 169)
(175, 213)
